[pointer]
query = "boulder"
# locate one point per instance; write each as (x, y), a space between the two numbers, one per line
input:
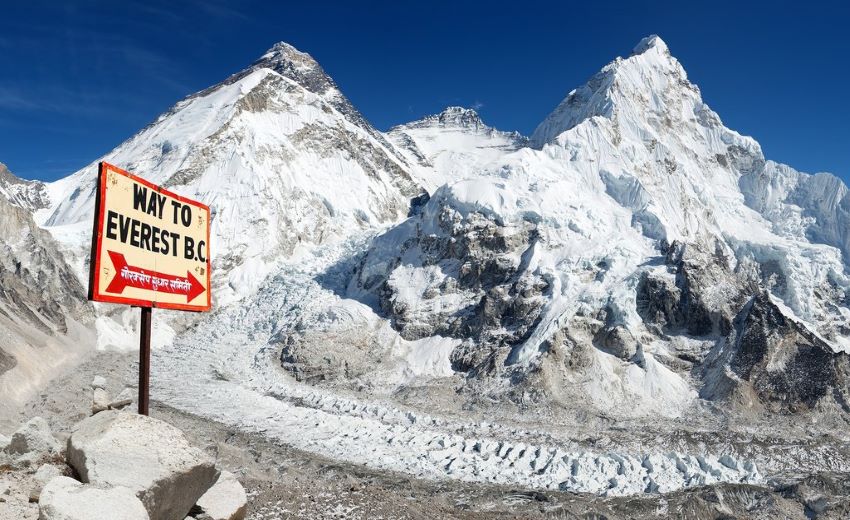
(100, 401)
(43, 475)
(64, 498)
(4, 442)
(226, 500)
(33, 438)
(620, 342)
(146, 455)
(125, 398)
(98, 382)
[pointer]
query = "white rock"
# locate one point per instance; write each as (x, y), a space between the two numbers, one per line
(123, 399)
(100, 401)
(45, 474)
(146, 455)
(64, 498)
(226, 500)
(34, 437)
(4, 442)
(98, 382)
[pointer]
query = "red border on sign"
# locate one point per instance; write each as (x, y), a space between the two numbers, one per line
(97, 239)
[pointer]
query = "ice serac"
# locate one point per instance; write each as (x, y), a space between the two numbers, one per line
(609, 260)
(279, 154)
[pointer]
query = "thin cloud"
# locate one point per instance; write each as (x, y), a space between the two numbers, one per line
(12, 100)
(155, 66)
(53, 99)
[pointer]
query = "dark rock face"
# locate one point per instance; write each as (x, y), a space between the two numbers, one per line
(39, 289)
(659, 301)
(469, 357)
(30, 195)
(417, 203)
(788, 366)
(700, 299)
(476, 258)
(7, 362)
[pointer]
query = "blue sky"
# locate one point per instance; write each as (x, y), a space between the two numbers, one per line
(80, 77)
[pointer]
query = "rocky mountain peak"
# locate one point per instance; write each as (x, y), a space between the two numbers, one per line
(283, 57)
(26, 194)
(459, 116)
(453, 117)
(303, 69)
(298, 66)
(283, 50)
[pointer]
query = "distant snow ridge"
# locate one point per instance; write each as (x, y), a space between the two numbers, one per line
(452, 145)
(451, 117)
(29, 195)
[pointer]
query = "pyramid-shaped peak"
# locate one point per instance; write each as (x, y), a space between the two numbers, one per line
(298, 66)
(638, 88)
(283, 49)
(280, 47)
(653, 41)
(284, 55)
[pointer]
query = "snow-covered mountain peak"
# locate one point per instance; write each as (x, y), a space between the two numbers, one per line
(303, 69)
(627, 88)
(29, 195)
(279, 135)
(451, 117)
(633, 184)
(459, 116)
(452, 145)
(283, 50)
(300, 67)
(653, 41)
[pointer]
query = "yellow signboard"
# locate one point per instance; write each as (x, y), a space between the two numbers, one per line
(150, 247)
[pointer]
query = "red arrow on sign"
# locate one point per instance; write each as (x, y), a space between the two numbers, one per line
(131, 276)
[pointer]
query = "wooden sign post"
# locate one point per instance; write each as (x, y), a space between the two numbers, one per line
(150, 248)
